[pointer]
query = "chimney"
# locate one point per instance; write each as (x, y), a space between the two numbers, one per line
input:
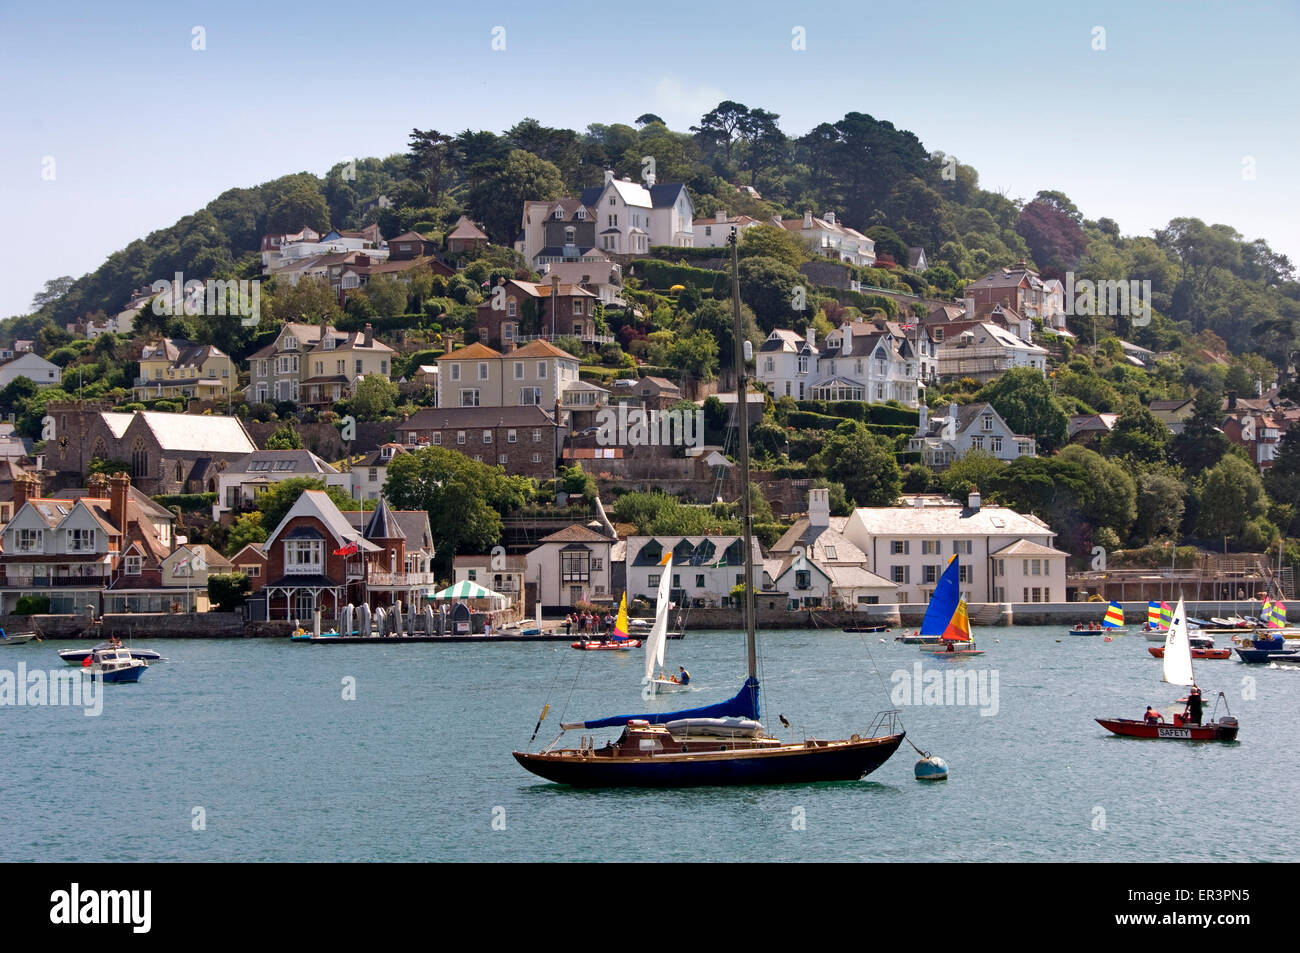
(830, 218)
(119, 493)
(370, 335)
(26, 486)
(97, 486)
(846, 330)
(807, 219)
(321, 339)
(819, 507)
(923, 422)
(609, 176)
(720, 216)
(970, 308)
(363, 261)
(812, 336)
(973, 501)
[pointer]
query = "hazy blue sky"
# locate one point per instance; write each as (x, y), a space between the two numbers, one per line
(144, 129)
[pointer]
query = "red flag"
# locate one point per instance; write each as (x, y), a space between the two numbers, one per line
(347, 550)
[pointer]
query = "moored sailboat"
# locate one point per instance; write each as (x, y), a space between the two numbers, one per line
(724, 743)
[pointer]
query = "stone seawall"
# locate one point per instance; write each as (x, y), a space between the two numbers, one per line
(138, 626)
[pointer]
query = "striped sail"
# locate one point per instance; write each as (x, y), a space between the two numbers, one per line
(1277, 618)
(1166, 615)
(1153, 615)
(1266, 613)
(1114, 617)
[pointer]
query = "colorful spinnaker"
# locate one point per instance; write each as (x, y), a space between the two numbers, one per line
(1166, 615)
(943, 604)
(1114, 617)
(1153, 615)
(1277, 617)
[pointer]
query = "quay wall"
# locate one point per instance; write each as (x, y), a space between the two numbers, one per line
(137, 626)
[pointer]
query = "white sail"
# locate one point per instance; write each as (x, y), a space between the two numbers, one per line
(658, 637)
(1178, 651)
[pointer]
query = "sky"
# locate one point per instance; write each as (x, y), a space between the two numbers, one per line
(120, 119)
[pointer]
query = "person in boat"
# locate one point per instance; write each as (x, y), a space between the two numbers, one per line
(952, 646)
(683, 676)
(1153, 717)
(1193, 713)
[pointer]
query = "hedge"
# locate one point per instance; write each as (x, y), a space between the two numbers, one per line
(857, 410)
(188, 502)
(662, 275)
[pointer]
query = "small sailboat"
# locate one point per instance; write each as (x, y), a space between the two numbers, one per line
(1111, 624)
(947, 616)
(655, 681)
(18, 638)
(1177, 670)
(1159, 616)
(620, 642)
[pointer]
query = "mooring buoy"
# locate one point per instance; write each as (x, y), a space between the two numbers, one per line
(931, 768)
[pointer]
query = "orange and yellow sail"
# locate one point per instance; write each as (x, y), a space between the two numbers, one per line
(958, 629)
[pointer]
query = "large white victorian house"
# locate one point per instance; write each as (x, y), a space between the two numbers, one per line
(860, 360)
(978, 427)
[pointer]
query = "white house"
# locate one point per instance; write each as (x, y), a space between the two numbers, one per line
(860, 360)
(244, 480)
(986, 351)
(367, 476)
(1004, 556)
(838, 571)
(832, 239)
(714, 232)
(36, 369)
(941, 440)
(705, 568)
(572, 565)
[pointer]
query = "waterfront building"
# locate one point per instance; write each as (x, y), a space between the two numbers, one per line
(1005, 556)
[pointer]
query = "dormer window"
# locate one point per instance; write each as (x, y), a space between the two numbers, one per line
(559, 213)
(133, 565)
(582, 214)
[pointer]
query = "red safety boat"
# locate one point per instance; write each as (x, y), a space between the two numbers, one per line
(607, 646)
(1225, 729)
(1159, 652)
(1177, 670)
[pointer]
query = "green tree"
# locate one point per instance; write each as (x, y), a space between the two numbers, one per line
(387, 295)
(462, 497)
(1159, 506)
(280, 497)
(246, 529)
(767, 285)
(1230, 495)
(227, 590)
(284, 437)
(300, 203)
(772, 241)
(978, 468)
(1025, 401)
(311, 300)
(865, 467)
(497, 200)
(696, 355)
(1201, 444)
(1282, 479)
(376, 397)
(1137, 436)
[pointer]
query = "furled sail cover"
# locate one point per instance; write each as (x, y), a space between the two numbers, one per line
(743, 705)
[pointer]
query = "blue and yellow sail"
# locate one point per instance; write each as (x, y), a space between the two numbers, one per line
(946, 615)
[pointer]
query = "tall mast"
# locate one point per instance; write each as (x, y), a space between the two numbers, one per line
(742, 425)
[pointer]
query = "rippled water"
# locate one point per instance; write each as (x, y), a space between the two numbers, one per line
(257, 734)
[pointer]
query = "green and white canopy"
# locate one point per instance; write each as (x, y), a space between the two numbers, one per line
(465, 590)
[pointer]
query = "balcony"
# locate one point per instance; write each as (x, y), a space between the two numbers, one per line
(54, 582)
(378, 578)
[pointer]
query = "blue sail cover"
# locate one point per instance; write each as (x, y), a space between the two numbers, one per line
(743, 705)
(944, 601)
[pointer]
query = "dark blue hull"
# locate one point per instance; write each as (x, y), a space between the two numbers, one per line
(121, 675)
(838, 761)
(1256, 656)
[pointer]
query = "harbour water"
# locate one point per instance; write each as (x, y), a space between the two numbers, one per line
(257, 750)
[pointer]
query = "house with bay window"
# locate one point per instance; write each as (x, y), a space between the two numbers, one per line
(571, 566)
